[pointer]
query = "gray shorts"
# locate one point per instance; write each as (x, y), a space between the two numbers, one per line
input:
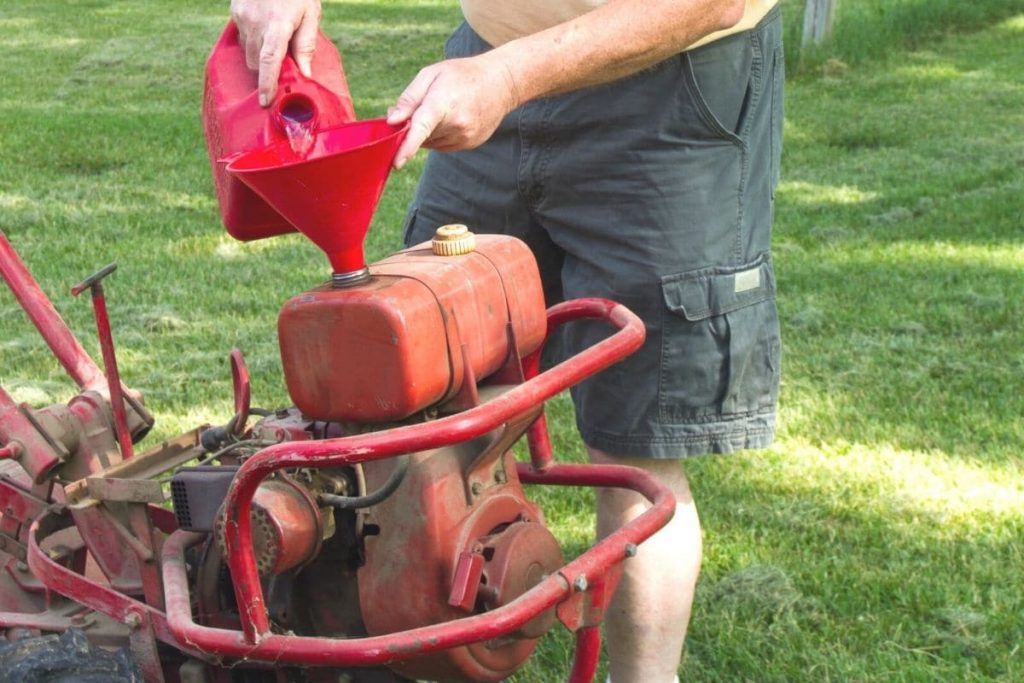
(655, 191)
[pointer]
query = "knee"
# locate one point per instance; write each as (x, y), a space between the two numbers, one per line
(668, 472)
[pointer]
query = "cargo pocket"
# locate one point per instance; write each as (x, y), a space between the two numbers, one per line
(720, 344)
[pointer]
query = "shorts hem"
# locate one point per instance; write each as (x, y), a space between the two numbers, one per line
(688, 440)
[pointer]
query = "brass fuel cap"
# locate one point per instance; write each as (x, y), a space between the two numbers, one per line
(453, 240)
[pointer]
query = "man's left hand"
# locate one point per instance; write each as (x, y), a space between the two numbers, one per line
(454, 105)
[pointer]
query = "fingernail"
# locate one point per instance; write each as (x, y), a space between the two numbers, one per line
(399, 163)
(264, 100)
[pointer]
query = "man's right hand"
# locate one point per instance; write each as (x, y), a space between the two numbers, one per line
(267, 29)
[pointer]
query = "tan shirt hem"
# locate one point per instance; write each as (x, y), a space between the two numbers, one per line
(499, 21)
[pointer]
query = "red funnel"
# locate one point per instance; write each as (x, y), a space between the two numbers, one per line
(330, 192)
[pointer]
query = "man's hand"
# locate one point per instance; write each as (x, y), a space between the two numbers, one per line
(454, 105)
(266, 29)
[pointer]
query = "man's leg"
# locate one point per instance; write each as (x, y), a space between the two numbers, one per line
(646, 623)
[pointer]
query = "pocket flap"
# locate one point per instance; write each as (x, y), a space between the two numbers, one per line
(698, 294)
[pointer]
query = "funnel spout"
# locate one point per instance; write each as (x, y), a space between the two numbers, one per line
(330, 190)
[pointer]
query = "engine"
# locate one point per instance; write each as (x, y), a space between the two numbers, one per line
(418, 539)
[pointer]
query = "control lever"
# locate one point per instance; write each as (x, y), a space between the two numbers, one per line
(94, 284)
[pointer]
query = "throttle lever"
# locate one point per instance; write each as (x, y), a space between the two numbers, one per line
(94, 283)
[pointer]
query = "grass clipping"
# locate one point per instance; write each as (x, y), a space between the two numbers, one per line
(759, 597)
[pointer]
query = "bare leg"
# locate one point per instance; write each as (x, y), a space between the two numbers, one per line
(646, 622)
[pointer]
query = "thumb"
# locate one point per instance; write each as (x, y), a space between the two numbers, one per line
(304, 43)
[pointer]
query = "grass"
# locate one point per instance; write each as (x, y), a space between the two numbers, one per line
(880, 539)
(872, 29)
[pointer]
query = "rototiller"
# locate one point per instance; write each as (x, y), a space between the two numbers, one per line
(377, 530)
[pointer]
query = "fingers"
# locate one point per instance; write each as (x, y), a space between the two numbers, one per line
(422, 124)
(304, 42)
(272, 53)
(266, 29)
(422, 120)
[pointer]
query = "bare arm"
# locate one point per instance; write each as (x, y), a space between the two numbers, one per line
(457, 104)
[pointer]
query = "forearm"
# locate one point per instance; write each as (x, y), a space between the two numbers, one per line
(615, 40)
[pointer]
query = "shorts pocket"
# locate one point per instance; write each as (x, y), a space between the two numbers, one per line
(723, 80)
(720, 352)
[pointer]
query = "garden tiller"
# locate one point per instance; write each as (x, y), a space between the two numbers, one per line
(375, 530)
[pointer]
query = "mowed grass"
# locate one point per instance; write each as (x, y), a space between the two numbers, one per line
(880, 539)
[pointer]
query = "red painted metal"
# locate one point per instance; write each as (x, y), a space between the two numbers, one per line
(463, 497)
(588, 652)
(44, 316)
(410, 439)
(99, 303)
(401, 341)
(241, 387)
(395, 647)
(329, 192)
(466, 583)
(94, 594)
(35, 453)
(288, 526)
(234, 122)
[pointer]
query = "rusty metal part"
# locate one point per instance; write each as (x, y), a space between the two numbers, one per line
(39, 454)
(122, 479)
(287, 527)
(518, 558)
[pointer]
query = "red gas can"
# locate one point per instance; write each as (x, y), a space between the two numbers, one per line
(402, 340)
(234, 122)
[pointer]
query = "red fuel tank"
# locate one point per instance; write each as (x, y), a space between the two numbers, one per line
(399, 342)
(234, 122)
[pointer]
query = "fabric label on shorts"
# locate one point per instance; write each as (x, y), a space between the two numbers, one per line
(747, 280)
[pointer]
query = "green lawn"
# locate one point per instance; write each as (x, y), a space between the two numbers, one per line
(880, 539)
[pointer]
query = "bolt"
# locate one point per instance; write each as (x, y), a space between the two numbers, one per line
(580, 584)
(631, 550)
(22, 567)
(132, 620)
(500, 477)
(477, 488)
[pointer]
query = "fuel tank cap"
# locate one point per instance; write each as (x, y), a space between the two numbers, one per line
(452, 240)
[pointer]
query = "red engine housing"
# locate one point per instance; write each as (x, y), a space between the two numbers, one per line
(458, 537)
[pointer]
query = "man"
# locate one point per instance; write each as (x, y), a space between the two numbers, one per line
(634, 144)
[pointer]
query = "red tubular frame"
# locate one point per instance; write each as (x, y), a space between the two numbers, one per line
(68, 350)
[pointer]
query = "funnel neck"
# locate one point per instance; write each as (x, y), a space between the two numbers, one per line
(349, 279)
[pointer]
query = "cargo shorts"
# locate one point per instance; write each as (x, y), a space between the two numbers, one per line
(656, 191)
